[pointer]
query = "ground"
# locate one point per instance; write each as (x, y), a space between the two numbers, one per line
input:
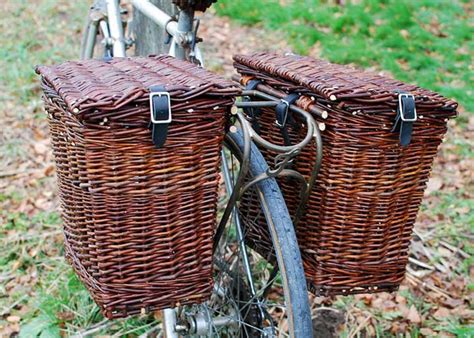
(39, 294)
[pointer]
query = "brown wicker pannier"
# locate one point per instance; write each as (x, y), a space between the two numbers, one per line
(138, 220)
(356, 231)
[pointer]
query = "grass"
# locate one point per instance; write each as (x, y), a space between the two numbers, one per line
(49, 297)
(427, 42)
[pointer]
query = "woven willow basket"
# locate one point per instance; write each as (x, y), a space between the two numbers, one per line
(138, 221)
(356, 232)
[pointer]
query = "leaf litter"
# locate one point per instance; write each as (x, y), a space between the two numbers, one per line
(436, 299)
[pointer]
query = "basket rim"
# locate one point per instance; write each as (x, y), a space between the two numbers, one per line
(335, 83)
(109, 84)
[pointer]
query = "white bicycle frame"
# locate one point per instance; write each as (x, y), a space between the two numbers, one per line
(182, 45)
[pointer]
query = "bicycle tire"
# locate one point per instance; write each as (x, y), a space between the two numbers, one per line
(284, 242)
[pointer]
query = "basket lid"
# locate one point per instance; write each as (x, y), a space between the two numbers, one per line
(339, 83)
(107, 85)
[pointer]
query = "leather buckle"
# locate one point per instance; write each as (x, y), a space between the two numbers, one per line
(406, 116)
(401, 105)
(158, 114)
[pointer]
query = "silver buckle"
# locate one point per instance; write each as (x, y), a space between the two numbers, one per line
(152, 118)
(402, 113)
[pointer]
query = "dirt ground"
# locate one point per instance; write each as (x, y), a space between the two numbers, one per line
(436, 299)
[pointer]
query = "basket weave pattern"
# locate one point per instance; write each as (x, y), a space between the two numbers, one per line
(138, 221)
(356, 232)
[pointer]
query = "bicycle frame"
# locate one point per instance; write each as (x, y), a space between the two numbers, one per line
(287, 154)
(183, 43)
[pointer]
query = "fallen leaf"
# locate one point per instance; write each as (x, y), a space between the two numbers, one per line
(434, 184)
(13, 319)
(40, 148)
(404, 33)
(427, 332)
(65, 315)
(33, 252)
(453, 303)
(462, 312)
(413, 315)
(400, 299)
(441, 313)
(48, 170)
(445, 252)
(16, 265)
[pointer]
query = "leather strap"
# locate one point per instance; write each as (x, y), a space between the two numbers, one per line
(252, 112)
(406, 116)
(283, 116)
(160, 115)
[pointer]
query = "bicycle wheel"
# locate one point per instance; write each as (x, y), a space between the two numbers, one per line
(253, 297)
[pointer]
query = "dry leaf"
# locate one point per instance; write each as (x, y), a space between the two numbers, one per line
(33, 252)
(453, 303)
(41, 148)
(16, 265)
(434, 184)
(427, 332)
(48, 170)
(404, 33)
(441, 313)
(413, 315)
(65, 316)
(13, 319)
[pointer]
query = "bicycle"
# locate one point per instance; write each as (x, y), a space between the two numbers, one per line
(253, 296)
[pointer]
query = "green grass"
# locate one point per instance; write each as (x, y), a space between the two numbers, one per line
(427, 42)
(37, 284)
(50, 297)
(33, 33)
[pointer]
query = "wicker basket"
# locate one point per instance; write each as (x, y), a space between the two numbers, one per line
(138, 220)
(356, 232)
(198, 5)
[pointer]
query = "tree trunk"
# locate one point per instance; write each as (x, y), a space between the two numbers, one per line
(149, 37)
